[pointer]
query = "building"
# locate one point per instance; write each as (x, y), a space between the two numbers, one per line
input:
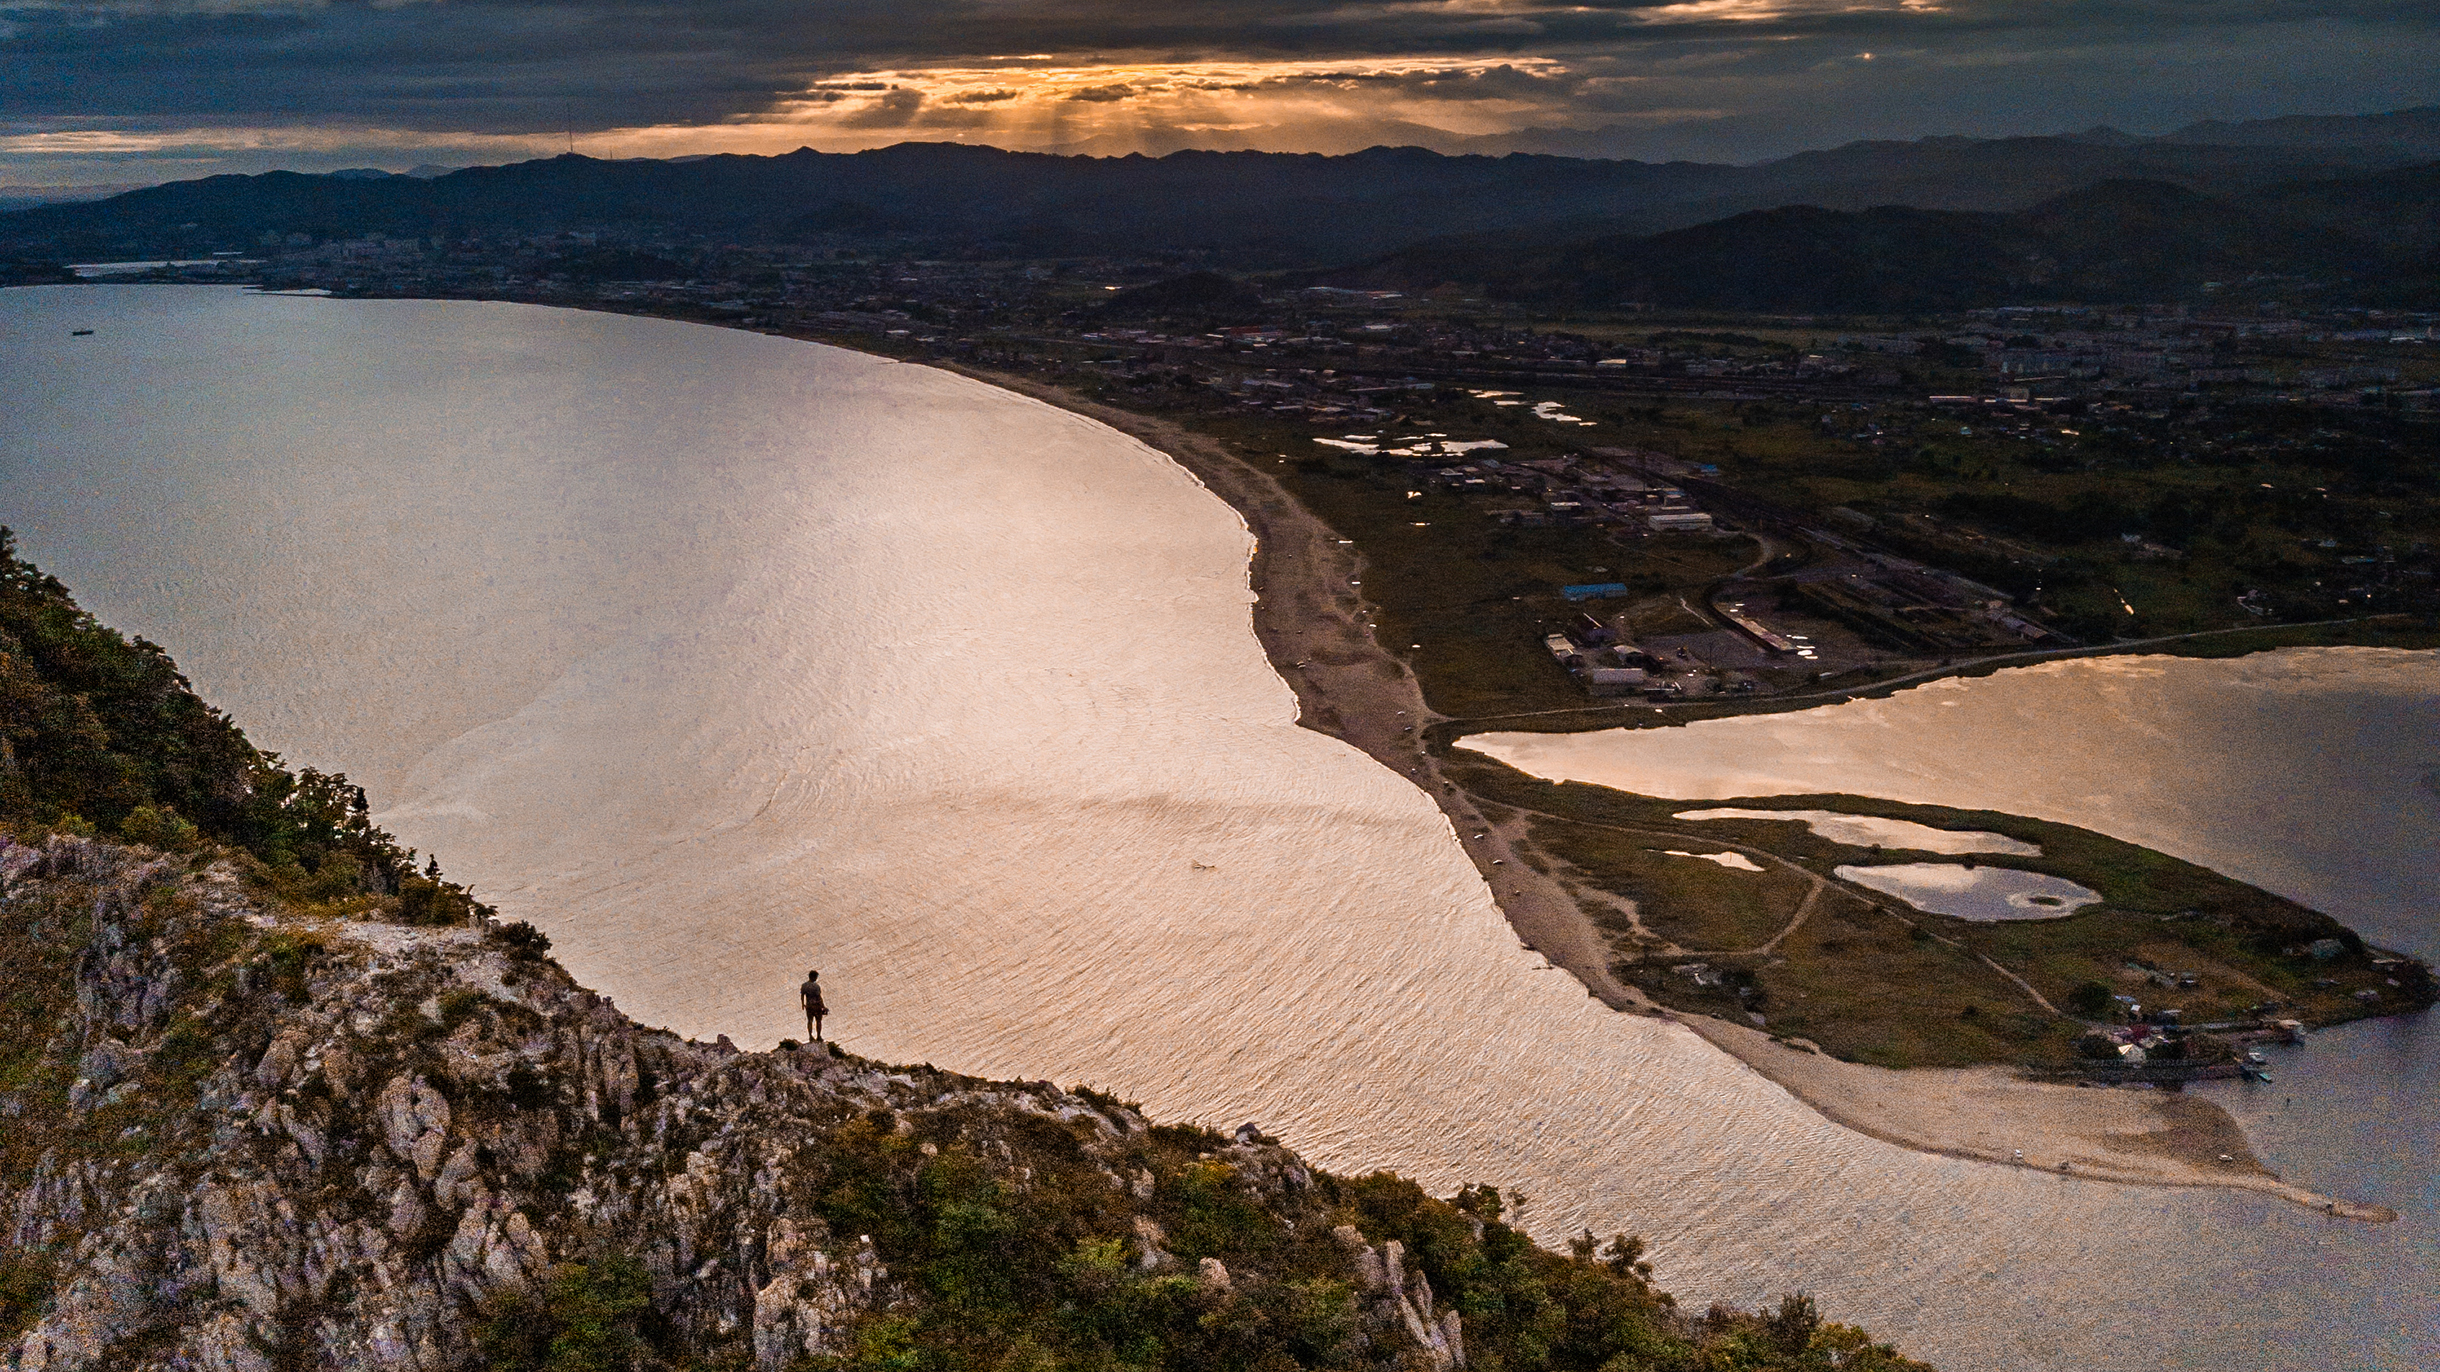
(1679, 522)
(1614, 681)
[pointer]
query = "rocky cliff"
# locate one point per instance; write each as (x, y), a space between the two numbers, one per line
(247, 1133)
(272, 1099)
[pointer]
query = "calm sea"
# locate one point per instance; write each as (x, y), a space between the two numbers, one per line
(721, 656)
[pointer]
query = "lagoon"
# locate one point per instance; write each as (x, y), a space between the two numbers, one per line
(1876, 831)
(1975, 893)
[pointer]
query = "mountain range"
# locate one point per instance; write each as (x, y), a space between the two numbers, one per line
(2005, 213)
(2373, 237)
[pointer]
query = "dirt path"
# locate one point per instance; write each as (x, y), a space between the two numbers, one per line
(1816, 884)
(1804, 908)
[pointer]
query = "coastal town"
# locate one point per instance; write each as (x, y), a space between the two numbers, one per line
(1580, 522)
(1725, 509)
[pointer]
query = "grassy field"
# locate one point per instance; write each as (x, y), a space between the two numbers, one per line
(2093, 513)
(1871, 979)
(1689, 901)
(1473, 596)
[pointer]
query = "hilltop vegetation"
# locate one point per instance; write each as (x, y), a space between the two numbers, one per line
(101, 734)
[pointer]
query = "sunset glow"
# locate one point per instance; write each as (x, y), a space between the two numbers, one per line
(104, 92)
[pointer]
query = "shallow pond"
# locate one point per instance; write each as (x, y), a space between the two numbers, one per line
(1976, 893)
(1865, 831)
(1735, 862)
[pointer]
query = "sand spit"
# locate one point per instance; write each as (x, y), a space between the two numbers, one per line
(1314, 626)
(2154, 1138)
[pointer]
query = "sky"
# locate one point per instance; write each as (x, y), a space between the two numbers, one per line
(119, 92)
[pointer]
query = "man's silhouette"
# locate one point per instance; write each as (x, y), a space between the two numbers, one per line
(811, 994)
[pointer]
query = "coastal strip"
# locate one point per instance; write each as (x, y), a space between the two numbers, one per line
(1987, 1114)
(1311, 619)
(1313, 623)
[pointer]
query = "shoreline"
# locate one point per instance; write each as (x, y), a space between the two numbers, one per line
(1988, 1115)
(1311, 622)
(1676, 715)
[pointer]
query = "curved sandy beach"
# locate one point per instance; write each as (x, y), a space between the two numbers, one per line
(726, 655)
(1312, 627)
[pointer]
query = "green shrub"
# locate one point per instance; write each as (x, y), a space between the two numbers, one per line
(587, 1319)
(458, 1004)
(2091, 1000)
(25, 1287)
(288, 955)
(160, 828)
(524, 942)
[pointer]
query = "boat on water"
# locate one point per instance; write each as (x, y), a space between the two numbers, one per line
(2253, 1072)
(78, 333)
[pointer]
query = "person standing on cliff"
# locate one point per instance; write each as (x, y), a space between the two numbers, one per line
(811, 994)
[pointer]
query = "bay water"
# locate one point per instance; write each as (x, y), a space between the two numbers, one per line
(719, 656)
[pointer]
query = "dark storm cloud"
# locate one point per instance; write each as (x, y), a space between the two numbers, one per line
(496, 65)
(1702, 77)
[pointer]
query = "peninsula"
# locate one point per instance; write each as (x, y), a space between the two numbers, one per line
(1602, 908)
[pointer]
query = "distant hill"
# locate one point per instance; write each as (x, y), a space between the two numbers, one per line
(1251, 208)
(29, 197)
(2410, 133)
(2399, 209)
(2007, 174)
(1240, 209)
(1795, 257)
(1197, 295)
(2114, 241)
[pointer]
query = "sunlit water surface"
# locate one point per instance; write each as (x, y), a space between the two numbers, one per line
(720, 656)
(1977, 893)
(1871, 831)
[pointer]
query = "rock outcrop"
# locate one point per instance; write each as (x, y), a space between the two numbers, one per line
(380, 1134)
(272, 1099)
(250, 1136)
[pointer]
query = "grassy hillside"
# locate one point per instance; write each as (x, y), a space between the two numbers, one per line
(102, 734)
